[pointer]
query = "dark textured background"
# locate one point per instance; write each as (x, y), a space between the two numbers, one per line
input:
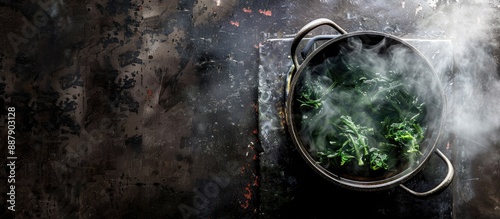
(149, 109)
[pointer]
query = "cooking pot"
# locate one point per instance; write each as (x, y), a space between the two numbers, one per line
(425, 80)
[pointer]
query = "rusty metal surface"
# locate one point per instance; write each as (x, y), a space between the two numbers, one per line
(131, 108)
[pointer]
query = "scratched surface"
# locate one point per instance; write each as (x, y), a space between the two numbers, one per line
(132, 108)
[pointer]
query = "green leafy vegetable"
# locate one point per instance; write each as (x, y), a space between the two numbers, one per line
(313, 94)
(373, 120)
(356, 137)
(378, 159)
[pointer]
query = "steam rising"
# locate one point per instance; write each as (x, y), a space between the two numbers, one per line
(388, 60)
(473, 27)
(475, 103)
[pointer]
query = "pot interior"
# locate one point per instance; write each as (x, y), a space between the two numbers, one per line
(363, 79)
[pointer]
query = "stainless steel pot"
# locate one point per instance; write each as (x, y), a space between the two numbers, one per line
(434, 120)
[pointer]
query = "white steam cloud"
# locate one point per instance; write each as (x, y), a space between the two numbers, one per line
(474, 102)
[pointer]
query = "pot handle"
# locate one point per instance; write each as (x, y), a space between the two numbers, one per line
(305, 30)
(446, 181)
(309, 45)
